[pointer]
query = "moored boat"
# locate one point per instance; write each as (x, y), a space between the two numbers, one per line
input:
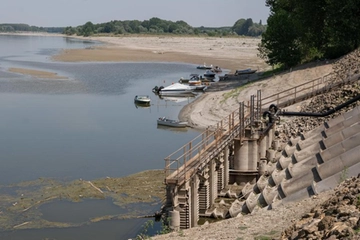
(171, 123)
(204, 66)
(209, 74)
(142, 99)
(216, 69)
(175, 89)
(197, 85)
(245, 71)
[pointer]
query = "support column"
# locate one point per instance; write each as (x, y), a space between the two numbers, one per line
(194, 199)
(246, 158)
(226, 165)
(204, 196)
(213, 181)
(220, 176)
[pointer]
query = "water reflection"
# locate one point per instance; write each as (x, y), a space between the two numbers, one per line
(78, 212)
(172, 129)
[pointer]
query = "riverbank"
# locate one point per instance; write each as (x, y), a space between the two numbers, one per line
(227, 53)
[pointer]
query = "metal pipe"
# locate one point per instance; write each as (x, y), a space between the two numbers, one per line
(309, 114)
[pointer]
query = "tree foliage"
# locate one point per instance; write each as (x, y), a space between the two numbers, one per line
(301, 31)
(248, 27)
(245, 27)
(20, 27)
(159, 26)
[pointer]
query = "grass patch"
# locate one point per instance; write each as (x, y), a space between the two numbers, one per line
(233, 93)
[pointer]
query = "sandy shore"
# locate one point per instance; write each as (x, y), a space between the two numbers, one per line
(227, 53)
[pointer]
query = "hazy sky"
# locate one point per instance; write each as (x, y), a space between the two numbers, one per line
(62, 13)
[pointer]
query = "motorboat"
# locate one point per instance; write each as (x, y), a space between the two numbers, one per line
(171, 123)
(209, 74)
(193, 76)
(142, 99)
(204, 66)
(175, 89)
(245, 71)
(216, 69)
(197, 85)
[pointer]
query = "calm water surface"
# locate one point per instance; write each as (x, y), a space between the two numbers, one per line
(86, 126)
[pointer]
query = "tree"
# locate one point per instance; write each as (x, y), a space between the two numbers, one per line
(238, 26)
(311, 29)
(87, 29)
(342, 26)
(280, 41)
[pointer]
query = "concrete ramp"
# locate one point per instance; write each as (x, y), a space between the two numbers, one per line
(314, 162)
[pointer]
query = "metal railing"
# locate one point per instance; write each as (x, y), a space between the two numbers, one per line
(181, 165)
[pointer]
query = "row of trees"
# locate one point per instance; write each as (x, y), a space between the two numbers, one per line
(20, 27)
(306, 30)
(160, 26)
(245, 27)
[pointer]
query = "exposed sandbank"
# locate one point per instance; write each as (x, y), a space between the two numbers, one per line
(37, 73)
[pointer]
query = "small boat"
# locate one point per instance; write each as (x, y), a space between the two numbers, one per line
(193, 76)
(209, 74)
(142, 99)
(204, 66)
(171, 123)
(174, 89)
(216, 69)
(197, 85)
(245, 71)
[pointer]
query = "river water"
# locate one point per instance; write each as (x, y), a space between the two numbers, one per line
(86, 126)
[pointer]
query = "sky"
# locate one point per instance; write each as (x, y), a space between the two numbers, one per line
(197, 13)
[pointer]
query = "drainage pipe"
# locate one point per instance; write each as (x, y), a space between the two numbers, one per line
(310, 114)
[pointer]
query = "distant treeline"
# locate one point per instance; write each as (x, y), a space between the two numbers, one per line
(19, 27)
(245, 27)
(155, 25)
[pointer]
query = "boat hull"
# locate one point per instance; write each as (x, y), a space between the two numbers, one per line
(176, 93)
(172, 123)
(145, 100)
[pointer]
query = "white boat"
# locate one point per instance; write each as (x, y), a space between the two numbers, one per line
(171, 123)
(142, 99)
(175, 89)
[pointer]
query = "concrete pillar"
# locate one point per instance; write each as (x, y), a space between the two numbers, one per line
(270, 138)
(263, 147)
(253, 155)
(194, 199)
(226, 165)
(213, 181)
(220, 176)
(241, 156)
(174, 220)
(246, 156)
(204, 196)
